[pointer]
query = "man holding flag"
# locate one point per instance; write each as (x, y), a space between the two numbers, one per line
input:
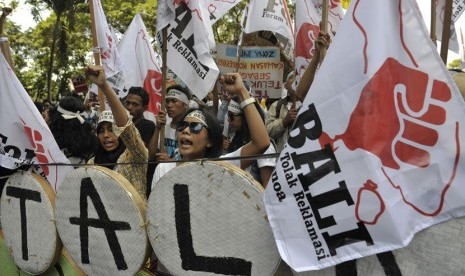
(374, 154)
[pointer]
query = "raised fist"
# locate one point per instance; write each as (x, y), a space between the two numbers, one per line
(401, 118)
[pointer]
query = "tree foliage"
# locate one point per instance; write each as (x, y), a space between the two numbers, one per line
(69, 21)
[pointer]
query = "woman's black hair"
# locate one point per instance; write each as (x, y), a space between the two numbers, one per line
(78, 139)
(214, 132)
(242, 136)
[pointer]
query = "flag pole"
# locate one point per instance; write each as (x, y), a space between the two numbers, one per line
(239, 50)
(4, 47)
(163, 83)
(324, 26)
(96, 51)
(446, 30)
(433, 22)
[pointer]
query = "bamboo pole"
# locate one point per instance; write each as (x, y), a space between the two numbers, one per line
(163, 84)
(96, 51)
(446, 30)
(4, 46)
(433, 22)
(324, 26)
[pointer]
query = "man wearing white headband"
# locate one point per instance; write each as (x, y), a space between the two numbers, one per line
(176, 104)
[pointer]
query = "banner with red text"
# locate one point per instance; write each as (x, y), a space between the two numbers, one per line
(260, 67)
(25, 138)
(376, 152)
(218, 8)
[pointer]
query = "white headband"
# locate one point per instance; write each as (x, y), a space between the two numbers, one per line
(234, 107)
(67, 115)
(197, 114)
(176, 94)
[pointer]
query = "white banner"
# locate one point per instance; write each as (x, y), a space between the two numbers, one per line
(308, 17)
(218, 8)
(260, 67)
(375, 152)
(270, 15)
(165, 13)
(190, 39)
(457, 10)
(107, 44)
(25, 138)
(141, 67)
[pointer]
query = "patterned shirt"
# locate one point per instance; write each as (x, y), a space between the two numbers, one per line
(135, 152)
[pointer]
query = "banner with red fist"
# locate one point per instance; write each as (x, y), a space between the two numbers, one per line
(375, 154)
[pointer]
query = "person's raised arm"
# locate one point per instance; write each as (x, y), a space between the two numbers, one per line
(306, 81)
(260, 140)
(96, 74)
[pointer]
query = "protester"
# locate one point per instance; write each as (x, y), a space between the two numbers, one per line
(136, 103)
(200, 135)
(262, 168)
(119, 140)
(73, 136)
(89, 114)
(177, 103)
(283, 113)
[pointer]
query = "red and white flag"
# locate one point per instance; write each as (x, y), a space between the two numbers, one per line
(25, 138)
(308, 15)
(218, 8)
(376, 152)
(271, 15)
(190, 39)
(457, 9)
(141, 67)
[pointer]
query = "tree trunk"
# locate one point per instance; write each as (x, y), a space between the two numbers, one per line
(52, 57)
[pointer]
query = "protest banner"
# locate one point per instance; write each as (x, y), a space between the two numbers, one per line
(260, 67)
(218, 8)
(458, 7)
(141, 63)
(308, 17)
(375, 153)
(189, 42)
(25, 138)
(272, 16)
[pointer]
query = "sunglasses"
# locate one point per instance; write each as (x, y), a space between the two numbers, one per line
(194, 127)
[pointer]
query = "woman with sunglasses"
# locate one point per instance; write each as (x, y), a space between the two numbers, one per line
(200, 133)
(120, 141)
(262, 168)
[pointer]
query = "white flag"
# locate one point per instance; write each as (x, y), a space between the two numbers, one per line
(218, 8)
(165, 13)
(107, 44)
(457, 9)
(308, 17)
(271, 15)
(141, 66)
(110, 57)
(376, 152)
(190, 40)
(25, 138)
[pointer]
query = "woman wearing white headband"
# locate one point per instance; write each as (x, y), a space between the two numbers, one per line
(200, 134)
(120, 141)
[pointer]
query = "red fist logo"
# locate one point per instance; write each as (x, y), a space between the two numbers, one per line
(401, 118)
(305, 41)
